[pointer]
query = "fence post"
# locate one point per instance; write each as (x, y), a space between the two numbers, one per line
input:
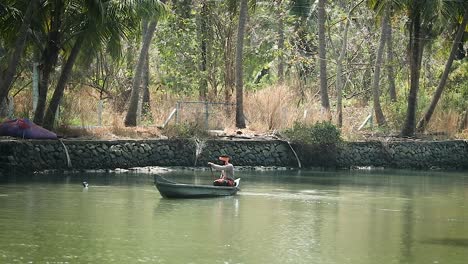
(206, 115)
(177, 113)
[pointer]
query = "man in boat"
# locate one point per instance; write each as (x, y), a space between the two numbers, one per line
(227, 172)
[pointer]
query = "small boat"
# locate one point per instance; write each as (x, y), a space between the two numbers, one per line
(170, 189)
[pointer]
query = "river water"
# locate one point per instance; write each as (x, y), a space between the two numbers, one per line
(362, 217)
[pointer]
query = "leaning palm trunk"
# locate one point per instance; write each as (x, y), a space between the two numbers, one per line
(379, 116)
(240, 119)
(131, 117)
(323, 59)
(422, 124)
(7, 79)
(49, 118)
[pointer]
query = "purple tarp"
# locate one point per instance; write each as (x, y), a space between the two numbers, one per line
(25, 128)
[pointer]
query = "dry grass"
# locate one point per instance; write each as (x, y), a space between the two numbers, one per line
(267, 110)
(278, 107)
(445, 121)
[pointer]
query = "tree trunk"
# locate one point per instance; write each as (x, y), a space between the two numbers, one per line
(49, 59)
(130, 58)
(390, 68)
(49, 118)
(323, 59)
(339, 68)
(463, 121)
(7, 79)
(379, 116)
(145, 102)
(131, 117)
(229, 75)
(203, 28)
(422, 124)
(415, 50)
(339, 76)
(280, 44)
(240, 119)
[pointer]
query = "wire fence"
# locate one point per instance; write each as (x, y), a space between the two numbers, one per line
(210, 115)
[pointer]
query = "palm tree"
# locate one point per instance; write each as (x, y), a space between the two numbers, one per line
(390, 68)
(131, 117)
(101, 24)
(281, 63)
(240, 118)
(54, 11)
(145, 104)
(339, 66)
(49, 118)
(6, 78)
(415, 69)
(422, 124)
(203, 35)
(422, 15)
(152, 14)
(379, 116)
(323, 59)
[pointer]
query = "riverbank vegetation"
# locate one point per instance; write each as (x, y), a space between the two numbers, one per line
(135, 68)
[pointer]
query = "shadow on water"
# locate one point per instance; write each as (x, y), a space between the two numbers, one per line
(457, 242)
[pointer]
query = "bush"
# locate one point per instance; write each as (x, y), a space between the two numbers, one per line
(318, 133)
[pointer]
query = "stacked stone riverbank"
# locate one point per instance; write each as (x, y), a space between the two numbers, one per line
(38, 155)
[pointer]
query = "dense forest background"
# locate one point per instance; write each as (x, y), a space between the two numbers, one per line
(380, 66)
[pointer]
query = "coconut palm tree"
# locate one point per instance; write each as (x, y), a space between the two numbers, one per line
(131, 116)
(422, 124)
(240, 118)
(390, 68)
(98, 25)
(323, 58)
(54, 12)
(423, 16)
(339, 66)
(280, 11)
(6, 76)
(379, 116)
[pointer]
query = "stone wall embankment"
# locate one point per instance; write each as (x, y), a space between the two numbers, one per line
(38, 155)
(405, 155)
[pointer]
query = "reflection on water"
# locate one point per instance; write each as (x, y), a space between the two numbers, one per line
(278, 217)
(448, 242)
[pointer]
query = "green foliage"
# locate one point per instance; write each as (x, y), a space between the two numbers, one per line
(186, 130)
(318, 133)
(202, 34)
(179, 54)
(457, 87)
